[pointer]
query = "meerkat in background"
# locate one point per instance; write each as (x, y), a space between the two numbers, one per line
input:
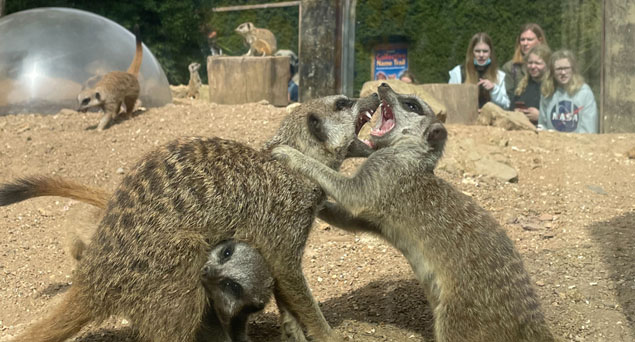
(473, 276)
(145, 259)
(195, 81)
(261, 42)
(114, 89)
(238, 282)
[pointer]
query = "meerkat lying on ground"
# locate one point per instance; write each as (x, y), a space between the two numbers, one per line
(194, 85)
(235, 275)
(261, 42)
(145, 258)
(237, 279)
(472, 275)
(114, 89)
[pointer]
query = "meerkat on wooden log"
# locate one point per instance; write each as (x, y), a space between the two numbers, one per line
(145, 258)
(114, 89)
(261, 42)
(473, 276)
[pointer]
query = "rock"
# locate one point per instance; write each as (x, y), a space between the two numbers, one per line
(631, 153)
(597, 189)
(495, 169)
(493, 115)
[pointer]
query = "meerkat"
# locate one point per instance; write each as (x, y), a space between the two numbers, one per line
(235, 275)
(145, 257)
(195, 81)
(472, 274)
(238, 282)
(114, 89)
(261, 42)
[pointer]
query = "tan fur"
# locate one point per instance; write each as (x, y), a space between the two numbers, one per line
(261, 42)
(195, 82)
(472, 275)
(145, 258)
(114, 89)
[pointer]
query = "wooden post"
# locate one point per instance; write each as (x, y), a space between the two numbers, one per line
(319, 63)
(235, 80)
(618, 75)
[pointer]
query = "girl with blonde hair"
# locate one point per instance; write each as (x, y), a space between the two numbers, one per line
(481, 68)
(527, 95)
(530, 35)
(567, 103)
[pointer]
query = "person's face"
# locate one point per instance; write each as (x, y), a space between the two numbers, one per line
(406, 79)
(536, 66)
(562, 68)
(528, 40)
(481, 53)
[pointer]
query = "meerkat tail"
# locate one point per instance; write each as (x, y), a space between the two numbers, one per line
(36, 186)
(135, 66)
(63, 322)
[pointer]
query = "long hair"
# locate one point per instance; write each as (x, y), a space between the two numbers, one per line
(549, 82)
(544, 52)
(471, 75)
(540, 34)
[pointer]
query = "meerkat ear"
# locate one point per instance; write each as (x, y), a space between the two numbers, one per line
(316, 127)
(98, 96)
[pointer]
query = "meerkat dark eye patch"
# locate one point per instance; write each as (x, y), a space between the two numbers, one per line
(413, 106)
(231, 287)
(316, 127)
(85, 101)
(226, 253)
(343, 104)
(98, 96)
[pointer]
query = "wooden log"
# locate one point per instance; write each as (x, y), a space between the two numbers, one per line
(236, 80)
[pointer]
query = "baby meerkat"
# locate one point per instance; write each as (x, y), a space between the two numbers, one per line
(237, 280)
(261, 42)
(114, 89)
(195, 82)
(472, 274)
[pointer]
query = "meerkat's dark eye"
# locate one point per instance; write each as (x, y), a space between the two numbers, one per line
(343, 104)
(85, 101)
(413, 106)
(233, 288)
(226, 253)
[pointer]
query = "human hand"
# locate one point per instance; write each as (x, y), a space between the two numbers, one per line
(485, 83)
(532, 113)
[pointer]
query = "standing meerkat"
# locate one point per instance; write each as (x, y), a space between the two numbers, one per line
(472, 275)
(145, 258)
(195, 82)
(114, 89)
(261, 42)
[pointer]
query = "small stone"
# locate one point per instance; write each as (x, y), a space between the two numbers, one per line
(120, 171)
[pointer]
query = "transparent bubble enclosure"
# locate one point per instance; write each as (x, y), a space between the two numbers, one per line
(47, 55)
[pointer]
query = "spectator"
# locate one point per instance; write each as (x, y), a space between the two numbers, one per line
(530, 35)
(567, 103)
(408, 77)
(481, 68)
(380, 76)
(294, 78)
(527, 95)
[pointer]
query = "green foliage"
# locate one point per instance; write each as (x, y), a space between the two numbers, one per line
(438, 32)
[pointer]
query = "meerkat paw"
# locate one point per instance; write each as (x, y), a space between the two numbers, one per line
(287, 155)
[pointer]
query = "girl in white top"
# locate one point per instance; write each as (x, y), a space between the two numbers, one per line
(481, 68)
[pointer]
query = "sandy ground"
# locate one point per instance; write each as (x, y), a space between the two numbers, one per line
(571, 216)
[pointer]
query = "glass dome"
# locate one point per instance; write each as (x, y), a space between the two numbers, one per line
(48, 54)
